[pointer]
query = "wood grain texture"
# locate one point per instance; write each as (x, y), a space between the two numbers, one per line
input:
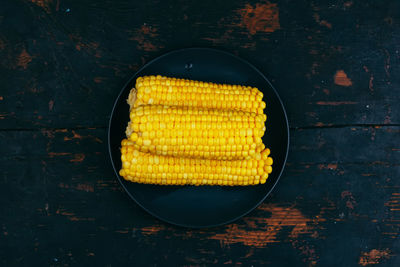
(335, 65)
(64, 201)
(67, 54)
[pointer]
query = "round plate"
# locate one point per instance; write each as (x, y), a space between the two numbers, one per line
(203, 206)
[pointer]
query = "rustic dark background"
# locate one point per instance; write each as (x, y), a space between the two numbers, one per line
(335, 64)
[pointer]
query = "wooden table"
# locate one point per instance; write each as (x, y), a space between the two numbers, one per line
(335, 64)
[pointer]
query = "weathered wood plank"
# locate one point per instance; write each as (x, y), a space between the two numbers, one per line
(60, 200)
(63, 62)
(305, 228)
(334, 63)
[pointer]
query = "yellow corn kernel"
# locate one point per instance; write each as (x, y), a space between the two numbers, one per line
(168, 91)
(180, 131)
(154, 169)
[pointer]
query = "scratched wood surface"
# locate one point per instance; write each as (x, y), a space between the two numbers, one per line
(335, 64)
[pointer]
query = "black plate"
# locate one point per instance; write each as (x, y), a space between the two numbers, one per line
(203, 206)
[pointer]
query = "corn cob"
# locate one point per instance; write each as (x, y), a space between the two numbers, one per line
(181, 92)
(196, 132)
(166, 170)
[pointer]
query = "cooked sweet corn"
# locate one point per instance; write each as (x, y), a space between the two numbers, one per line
(181, 92)
(168, 170)
(184, 132)
(196, 132)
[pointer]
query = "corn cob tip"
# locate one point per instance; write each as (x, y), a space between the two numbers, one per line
(131, 102)
(132, 97)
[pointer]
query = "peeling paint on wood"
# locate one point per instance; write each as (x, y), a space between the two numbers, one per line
(267, 229)
(331, 166)
(23, 59)
(322, 22)
(374, 256)
(80, 187)
(151, 230)
(263, 17)
(341, 79)
(45, 4)
(143, 36)
(335, 103)
(78, 157)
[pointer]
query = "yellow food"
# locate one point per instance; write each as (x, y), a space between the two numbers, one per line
(181, 92)
(184, 132)
(196, 132)
(168, 170)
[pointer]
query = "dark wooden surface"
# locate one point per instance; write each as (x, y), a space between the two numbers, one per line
(335, 64)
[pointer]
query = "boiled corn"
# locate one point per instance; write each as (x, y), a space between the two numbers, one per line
(182, 92)
(184, 132)
(168, 170)
(196, 132)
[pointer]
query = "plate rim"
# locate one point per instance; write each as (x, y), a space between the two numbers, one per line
(117, 172)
